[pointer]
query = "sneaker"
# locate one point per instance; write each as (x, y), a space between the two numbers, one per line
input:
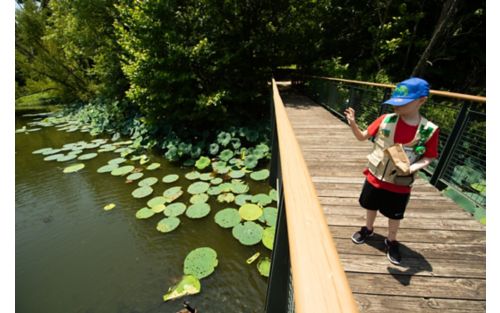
(392, 249)
(361, 235)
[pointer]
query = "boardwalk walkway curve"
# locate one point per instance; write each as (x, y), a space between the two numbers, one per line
(442, 245)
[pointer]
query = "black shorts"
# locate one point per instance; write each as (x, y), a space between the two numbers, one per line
(390, 204)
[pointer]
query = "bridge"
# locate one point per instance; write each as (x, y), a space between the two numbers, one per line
(317, 166)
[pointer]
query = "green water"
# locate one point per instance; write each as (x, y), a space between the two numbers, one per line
(72, 256)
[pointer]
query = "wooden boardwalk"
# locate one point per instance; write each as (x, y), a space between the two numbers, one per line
(444, 248)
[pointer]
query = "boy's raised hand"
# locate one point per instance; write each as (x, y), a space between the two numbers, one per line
(350, 115)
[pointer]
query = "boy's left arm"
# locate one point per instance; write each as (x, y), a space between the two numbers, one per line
(420, 164)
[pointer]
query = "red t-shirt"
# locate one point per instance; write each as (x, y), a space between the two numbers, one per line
(404, 133)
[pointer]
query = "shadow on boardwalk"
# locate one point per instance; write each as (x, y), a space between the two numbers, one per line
(412, 262)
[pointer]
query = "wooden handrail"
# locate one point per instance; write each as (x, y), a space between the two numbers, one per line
(440, 93)
(319, 281)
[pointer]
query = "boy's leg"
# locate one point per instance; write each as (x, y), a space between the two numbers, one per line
(391, 244)
(393, 229)
(370, 218)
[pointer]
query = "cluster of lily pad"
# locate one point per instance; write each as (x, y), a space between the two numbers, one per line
(240, 147)
(218, 176)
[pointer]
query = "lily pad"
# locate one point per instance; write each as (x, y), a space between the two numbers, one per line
(220, 167)
(273, 194)
(173, 193)
(227, 218)
(168, 224)
(156, 200)
(262, 199)
(51, 151)
(91, 145)
(225, 197)
(268, 237)
(106, 148)
(99, 141)
(216, 181)
(200, 262)
(198, 187)
(202, 163)
(107, 168)
(87, 156)
(254, 257)
(158, 208)
(264, 266)
(109, 207)
(170, 178)
(239, 187)
(250, 212)
(66, 157)
(197, 198)
(53, 157)
(206, 176)
(75, 151)
(242, 199)
(135, 176)
(150, 181)
(41, 151)
(248, 234)
(175, 209)
(260, 175)
(225, 187)
(198, 210)
(226, 155)
(192, 175)
(251, 161)
(144, 213)
(74, 168)
(236, 174)
(142, 192)
(270, 216)
(117, 161)
(214, 190)
(189, 285)
(153, 166)
(143, 159)
(121, 171)
(213, 148)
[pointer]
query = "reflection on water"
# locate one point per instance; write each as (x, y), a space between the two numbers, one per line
(72, 256)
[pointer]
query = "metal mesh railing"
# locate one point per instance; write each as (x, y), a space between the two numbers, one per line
(462, 122)
(466, 169)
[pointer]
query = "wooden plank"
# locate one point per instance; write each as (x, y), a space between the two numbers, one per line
(418, 286)
(438, 204)
(406, 235)
(382, 304)
(334, 219)
(411, 212)
(423, 251)
(414, 267)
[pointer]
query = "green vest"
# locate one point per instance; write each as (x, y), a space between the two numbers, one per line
(381, 166)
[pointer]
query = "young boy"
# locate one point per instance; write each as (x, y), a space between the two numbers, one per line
(388, 184)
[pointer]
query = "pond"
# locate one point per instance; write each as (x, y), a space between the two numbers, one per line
(74, 256)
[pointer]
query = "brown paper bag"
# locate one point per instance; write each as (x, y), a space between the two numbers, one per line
(397, 154)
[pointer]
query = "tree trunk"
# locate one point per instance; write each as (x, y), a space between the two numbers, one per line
(445, 19)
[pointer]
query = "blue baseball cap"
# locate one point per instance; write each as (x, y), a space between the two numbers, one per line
(408, 90)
